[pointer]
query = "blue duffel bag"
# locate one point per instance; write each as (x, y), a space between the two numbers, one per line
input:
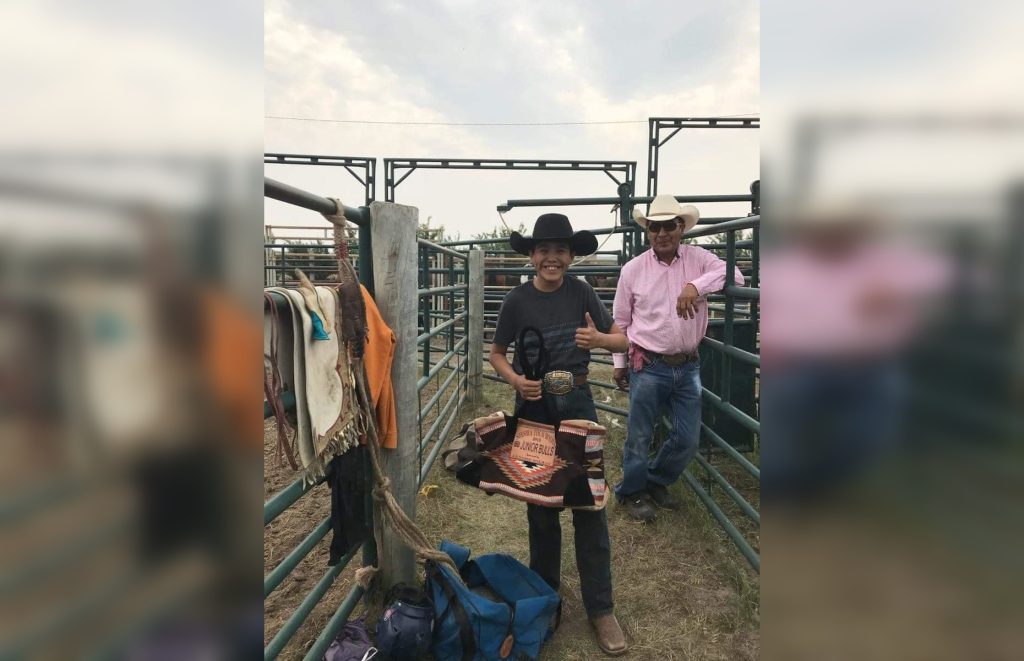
(523, 614)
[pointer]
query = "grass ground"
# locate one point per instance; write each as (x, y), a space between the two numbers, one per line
(682, 590)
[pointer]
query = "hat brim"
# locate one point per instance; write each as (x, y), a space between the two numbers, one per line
(581, 243)
(690, 218)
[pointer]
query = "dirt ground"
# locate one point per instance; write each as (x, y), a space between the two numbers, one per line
(682, 589)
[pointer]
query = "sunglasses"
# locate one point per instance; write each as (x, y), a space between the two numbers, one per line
(656, 226)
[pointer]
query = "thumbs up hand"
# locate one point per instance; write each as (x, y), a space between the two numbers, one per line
(588, 337)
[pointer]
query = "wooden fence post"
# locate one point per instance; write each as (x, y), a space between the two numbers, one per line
(395, 269)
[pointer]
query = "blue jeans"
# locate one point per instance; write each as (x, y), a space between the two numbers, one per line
(593, 547)
(651, 389)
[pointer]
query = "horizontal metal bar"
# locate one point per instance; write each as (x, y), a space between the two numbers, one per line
(601, 384)
(444, 433)
(637, 199)
(735, 352)
(441, 290)
(445, 270)
(736, 414)
(442, 249)
(281, 500)
(440, 328)
(302, 611)
(285, 567)
(735, 322)
(305, 268)
(292, 246)
(741, 313)
(438, 365)
(611, 409)
(506, 163)
(429, 435)
(591, 270)
(733, 453)
(318, 159)
(432, 402)
(729, 490)
(336, 623)
(732, 225)
(712, 122)
(723, 246)
(282, 192)
(734, 534)
(752, 293)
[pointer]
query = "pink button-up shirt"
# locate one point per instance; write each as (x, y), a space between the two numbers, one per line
(645, 300)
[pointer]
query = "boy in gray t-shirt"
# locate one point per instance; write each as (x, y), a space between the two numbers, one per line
(572, 321)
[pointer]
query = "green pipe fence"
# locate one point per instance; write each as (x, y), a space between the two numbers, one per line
(739, 308)
(288, 496)
(443, 293)
(444, 314)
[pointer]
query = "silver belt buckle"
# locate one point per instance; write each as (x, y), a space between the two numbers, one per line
(559, 382)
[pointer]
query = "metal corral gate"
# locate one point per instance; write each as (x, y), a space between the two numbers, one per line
(446, 291)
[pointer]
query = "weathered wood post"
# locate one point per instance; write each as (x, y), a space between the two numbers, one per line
(475, 342)
(395, 266)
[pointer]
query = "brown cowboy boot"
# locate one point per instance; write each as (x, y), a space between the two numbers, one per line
(609, 634)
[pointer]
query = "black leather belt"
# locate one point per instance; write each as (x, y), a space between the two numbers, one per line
(672, 359)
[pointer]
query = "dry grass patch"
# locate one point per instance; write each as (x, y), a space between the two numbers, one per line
(682, 590)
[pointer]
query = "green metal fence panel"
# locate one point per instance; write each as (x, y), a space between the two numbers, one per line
(281, 501)
(741, 378)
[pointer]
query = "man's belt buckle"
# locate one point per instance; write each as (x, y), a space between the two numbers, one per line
(675, 360)
(559, 382)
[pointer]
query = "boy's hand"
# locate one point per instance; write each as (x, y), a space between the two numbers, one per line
(588, 337)
(528, 390)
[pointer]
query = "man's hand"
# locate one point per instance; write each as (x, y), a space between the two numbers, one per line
(621, 376)
(528, 390)
(686, 304)
(588, 337)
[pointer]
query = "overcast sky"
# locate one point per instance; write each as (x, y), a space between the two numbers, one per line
(461, 61)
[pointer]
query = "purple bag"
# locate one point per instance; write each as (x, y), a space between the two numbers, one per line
(351, 644)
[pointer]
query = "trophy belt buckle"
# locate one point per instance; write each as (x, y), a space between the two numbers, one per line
(559, 382)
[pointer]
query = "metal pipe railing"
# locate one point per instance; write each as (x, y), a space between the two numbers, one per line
(284, 498)
(285, 567)
(277, 190)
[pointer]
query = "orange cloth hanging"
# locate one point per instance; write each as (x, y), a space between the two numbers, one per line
(380, 352)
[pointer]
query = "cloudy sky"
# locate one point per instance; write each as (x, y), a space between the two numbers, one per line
(459, 61)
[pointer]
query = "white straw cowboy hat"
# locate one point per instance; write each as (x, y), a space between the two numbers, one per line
(665, 207)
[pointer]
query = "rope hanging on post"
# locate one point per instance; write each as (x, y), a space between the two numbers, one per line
(352, 322)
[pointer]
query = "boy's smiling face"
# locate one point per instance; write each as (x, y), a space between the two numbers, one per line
(550, 259)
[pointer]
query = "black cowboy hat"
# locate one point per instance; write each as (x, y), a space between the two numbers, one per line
(554, 227)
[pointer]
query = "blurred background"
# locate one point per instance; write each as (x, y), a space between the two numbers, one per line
(892, 381)
(130, 213)
(130, 205)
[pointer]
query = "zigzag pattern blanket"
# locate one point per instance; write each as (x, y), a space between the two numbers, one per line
(572, 477)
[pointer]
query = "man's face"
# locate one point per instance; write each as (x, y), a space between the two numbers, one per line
(665, 235)
(551, 259)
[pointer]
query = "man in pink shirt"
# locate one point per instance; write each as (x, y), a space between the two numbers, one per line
(659, 305)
